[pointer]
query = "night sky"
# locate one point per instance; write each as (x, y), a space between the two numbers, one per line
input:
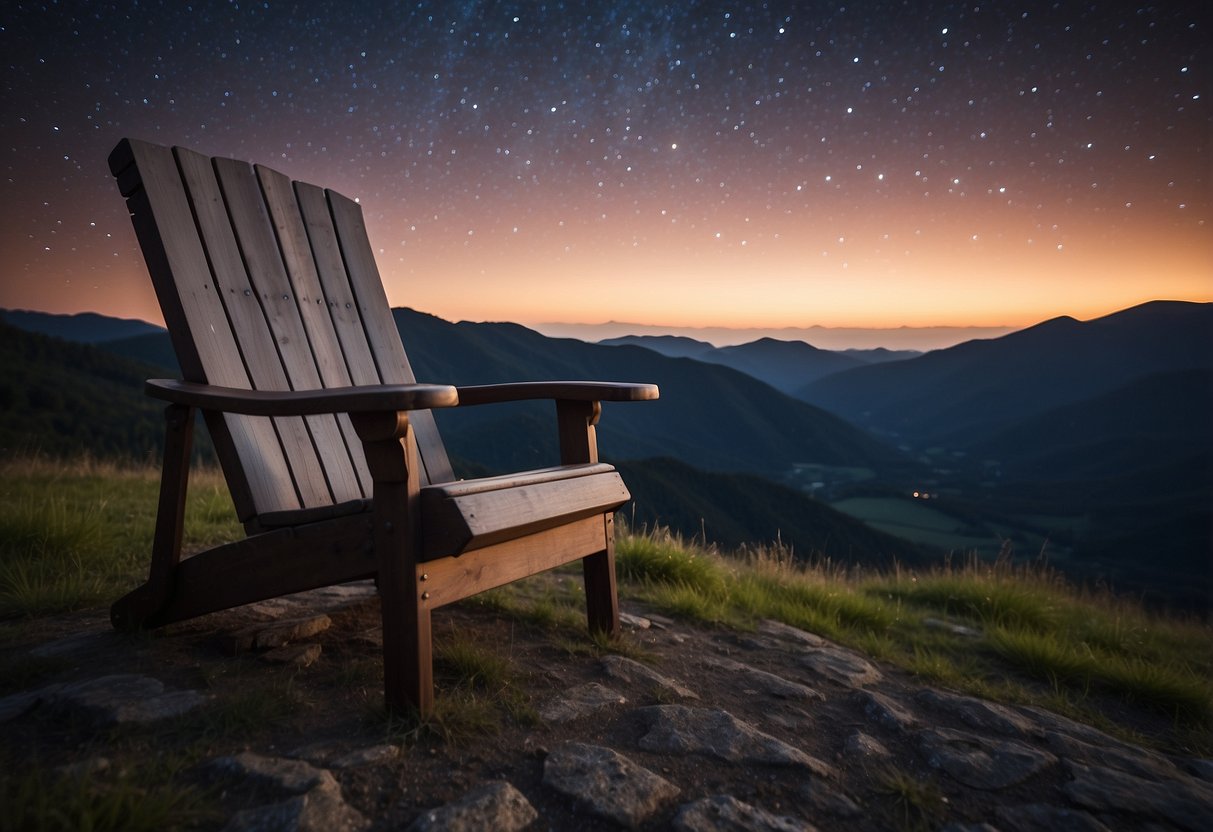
(726, 164)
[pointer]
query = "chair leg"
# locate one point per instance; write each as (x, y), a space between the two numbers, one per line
(139, 607)
(408, 666)
(601, 596)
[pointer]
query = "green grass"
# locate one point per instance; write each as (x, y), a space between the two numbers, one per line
(78, 534)
(1040, 640)
(37, 799)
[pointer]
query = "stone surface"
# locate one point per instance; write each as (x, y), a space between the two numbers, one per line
(372, 755)
(636, 622)
(278, 774)
(724, 813)
(634, 673)
(864, 747)
(581, 701)
(271, 634)
(841, 665)
(823, 796)
(777, 629)
(313, 804)
(979, 714)
(301, 655)
(884, 711)
(981, 762)
(125, 698)
(495, 805)
(320, 810)
(606, 783)
(1186, 803)
(763, 682)
(77, 643)
(677, 729)
(1041, 817)
(951, 627)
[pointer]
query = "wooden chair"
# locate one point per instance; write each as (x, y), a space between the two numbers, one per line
(287, 345)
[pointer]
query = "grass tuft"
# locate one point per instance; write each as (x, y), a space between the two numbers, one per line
(36, 799)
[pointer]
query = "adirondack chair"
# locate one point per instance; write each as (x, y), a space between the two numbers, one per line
(288, 348)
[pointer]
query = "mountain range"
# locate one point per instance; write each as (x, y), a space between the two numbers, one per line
(1094, 436)
(787, 366)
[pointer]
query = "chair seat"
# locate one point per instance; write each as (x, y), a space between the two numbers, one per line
(470, 514)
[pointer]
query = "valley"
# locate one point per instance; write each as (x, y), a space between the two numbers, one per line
(1085, 444)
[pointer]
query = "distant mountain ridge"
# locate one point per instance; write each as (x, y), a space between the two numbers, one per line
(967, 394)
(787, 366)
(84, 327)
(62, 399)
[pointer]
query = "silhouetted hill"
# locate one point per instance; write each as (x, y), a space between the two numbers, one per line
(63, 399)
(785, 365)
(968, 394)
(709, 416)
(737, 509)
(1156, 419)
(85, 327)
(154, 348)
(672, 346)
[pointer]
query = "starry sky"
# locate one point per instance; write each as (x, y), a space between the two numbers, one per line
(749, 164)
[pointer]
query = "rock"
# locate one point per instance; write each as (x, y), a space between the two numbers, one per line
(125, 698)
(606, 783)
(372, 755)
(777, 629)
(495, 805)
(763, 681)
(825, 798)
(581, 701)
(1040, 817)
(979, 714)
(634, 673)
(1136, 761)
(77, 643)
(678, 729)
(636, 622)
(302, 655)
(969, 827)
(268, 635)
(276, 773)
(1199, 768)
(723, 813)
(1184, 802)
(18, 704)
(314, 804)
(340, 595)
(841, 665)
(864, 747)
(884, 711)
(320, 810)
(981, 762)
(951, 627)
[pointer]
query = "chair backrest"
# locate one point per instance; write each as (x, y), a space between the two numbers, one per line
(269, 284)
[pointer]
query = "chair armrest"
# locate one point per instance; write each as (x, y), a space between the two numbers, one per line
(583, 391)
(366, 399)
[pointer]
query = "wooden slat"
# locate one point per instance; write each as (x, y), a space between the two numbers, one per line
(267, 274)
(450, 579)
(381, 332)
(335, 285)
(301, 269)
(254, 568)
(462, 523)
(248, 446)
(256, 344)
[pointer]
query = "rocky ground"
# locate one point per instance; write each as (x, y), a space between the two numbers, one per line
(273, 713)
